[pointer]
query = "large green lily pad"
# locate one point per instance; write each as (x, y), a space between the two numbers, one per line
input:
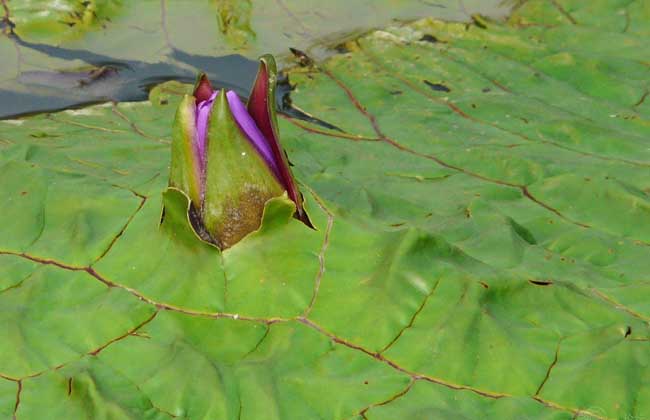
(481, 245)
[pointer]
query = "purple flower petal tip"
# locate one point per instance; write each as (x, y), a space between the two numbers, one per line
(252, 131)
(203, 109)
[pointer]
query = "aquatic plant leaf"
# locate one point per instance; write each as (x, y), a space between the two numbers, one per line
(480, 245)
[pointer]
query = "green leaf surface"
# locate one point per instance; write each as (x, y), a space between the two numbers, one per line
(480, 247)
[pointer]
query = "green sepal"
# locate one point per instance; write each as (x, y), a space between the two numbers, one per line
(277, 213)
(185, 172)
(177, 220)
(267, 62)
(238, 181)
(202, 89)
(261, 107)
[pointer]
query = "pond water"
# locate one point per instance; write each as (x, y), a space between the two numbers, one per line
(59, 54)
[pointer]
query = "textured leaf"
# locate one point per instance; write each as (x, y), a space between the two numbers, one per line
(480, 249)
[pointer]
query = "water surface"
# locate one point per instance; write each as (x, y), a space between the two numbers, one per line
(61, 54)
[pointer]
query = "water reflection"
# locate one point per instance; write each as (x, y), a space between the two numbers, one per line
(73, 64)
(105, 79)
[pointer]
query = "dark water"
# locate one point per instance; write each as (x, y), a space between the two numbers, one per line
(105, 79)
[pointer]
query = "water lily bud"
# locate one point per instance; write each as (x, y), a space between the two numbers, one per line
(227, 159)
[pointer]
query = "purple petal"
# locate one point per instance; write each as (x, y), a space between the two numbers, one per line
(248, 126)
(203, 109)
